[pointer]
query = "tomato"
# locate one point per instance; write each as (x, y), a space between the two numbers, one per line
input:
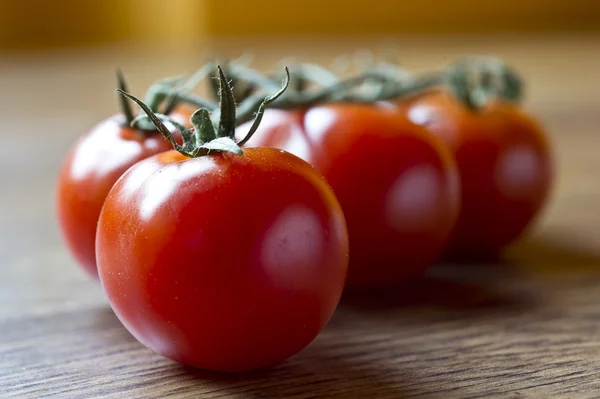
(224, 262)
(397, 184)
(90, 169)
(182, 114)
(505, 165)
(97, 160)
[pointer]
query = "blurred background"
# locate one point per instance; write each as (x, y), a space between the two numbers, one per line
(158, 38)
(32, 24)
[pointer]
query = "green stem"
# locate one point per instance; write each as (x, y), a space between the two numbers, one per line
(205, 131)
(195, 101)
(125, 105)
(252, 76)
(412, 87)
(477, 80)
(190, 84)
(338, 92)
(261, 109)
(318, 74)
(473, 80)
(205, 139)
(227, 107)
(332, 93)
(155, 120)
(159, 91)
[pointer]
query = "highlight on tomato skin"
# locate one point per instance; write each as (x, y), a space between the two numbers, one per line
(397, 184)
(223, 262)
(506, 167)
(89, 170)
(95, 162)
(221, 258)
(470, 105)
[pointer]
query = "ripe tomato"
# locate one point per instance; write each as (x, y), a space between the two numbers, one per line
(90, 169)
(182, 114)
(505, 167)
(223, 262)
(397, 184)
(97, 160)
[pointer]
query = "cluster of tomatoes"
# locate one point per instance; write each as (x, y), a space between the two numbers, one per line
(226, 244)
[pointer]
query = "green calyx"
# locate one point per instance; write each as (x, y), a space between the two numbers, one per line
(476, 80)
(473, 80)
(209, 135)
(163, 97)
(125, 106)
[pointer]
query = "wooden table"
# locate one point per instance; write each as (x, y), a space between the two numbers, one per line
(526, 327)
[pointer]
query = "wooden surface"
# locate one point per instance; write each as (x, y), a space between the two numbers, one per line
(528, 326)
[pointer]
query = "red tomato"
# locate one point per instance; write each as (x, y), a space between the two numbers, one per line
(505, 166)
(87, 174)
(397, 184)
(182, 114)
(223, 262)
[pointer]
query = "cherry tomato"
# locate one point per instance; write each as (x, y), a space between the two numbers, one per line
(90, 169)
(182, 114)
(397, 184)
(505, 165)
(223, 262)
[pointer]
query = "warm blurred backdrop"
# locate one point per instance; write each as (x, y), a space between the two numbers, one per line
(30, 24)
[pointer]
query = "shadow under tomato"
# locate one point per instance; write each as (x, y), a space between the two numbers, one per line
(320, 370)
(506, 283)
(483, 290)
(474, 259)
(432, 291)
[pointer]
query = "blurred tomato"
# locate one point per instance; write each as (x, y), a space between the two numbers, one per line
(90, 169)
(505, 165)
(182, 114)
(397, 184)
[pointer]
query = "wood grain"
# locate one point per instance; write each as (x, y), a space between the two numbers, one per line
(524, 327)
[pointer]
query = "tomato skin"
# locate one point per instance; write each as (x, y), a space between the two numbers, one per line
(92, 166)
(505, 164)
(182, 114)
(223, 262)
(398, 185)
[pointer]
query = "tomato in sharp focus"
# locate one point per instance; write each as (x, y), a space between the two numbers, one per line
(90, 169)
(397, 184)
(223, 262)
(505, 164)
